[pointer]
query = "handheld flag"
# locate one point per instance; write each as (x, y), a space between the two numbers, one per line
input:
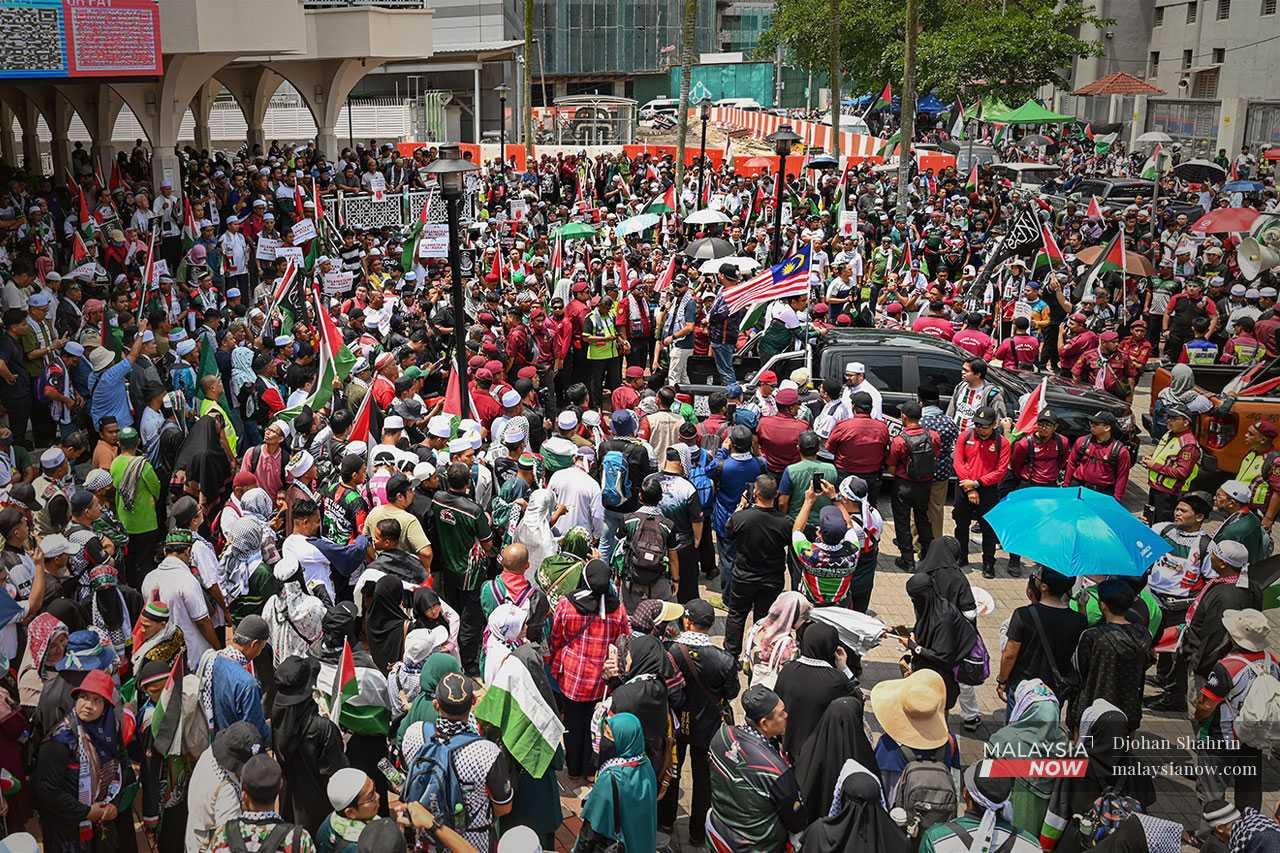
(1031, 410)
(957, 126)
(1151, 169)
(1095, 209)
(885, 101)
(664, 204)
(167, 716)
(788, 278)
(971, 185)
(361, 425)
(281, 298)
(890, 146)
(117, 178)
(557, 259)
(1051, 255)
(189, 231)
(453, 399)
(148, 274)
(344, 685)
(495, 271)
(664, 280)
(335, 359)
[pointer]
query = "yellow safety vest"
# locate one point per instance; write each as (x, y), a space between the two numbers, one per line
(1252, 472)
(1166, 451)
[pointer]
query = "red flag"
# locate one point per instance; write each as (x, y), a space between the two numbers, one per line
(117, 179)
(453, 398)
(1088, 131)
(344, 682)
(148, 271)
(1095, 210)
(360, 427)
(664, 281)
(495, 271)
(1031, 410)
(623, 274)
(315, 197)
(299, 200)
(557, 257)
(906, 256)
(79, 251)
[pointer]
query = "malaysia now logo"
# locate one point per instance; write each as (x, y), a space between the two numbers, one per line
(1034, 761)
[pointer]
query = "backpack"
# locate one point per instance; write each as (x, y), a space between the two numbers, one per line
(45, 380)
(921, 461)
(1059, 441)
(433, 779)
(926, 792)
(1257, 722)
(700, 475)
(1105, 816)
(273, 842)
(615, 479)
(1113, 453)
(975, 667)
(646, 551)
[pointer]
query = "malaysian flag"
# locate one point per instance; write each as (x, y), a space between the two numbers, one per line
(788, 278)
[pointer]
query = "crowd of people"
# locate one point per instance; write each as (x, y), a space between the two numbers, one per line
(268, 585)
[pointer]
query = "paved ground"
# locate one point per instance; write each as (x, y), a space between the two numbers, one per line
(1176, 794)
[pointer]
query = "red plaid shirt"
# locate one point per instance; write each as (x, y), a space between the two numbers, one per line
(579, 645)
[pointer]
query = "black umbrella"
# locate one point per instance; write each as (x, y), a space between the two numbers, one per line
(822, 161)
(1200, 171)
(709, 248)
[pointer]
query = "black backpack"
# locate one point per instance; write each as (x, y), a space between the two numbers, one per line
(646, 551)
(1113, 452)
(922, 463)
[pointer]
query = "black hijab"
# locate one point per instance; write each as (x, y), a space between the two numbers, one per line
(841, 735)
(204, 459)
(862, 824)
(940, 628)
(385, 626)
(596, 585)
(425, 598)
(66, 611)
(644, 693)
(942, 564)
(337, 626)
(807, 689)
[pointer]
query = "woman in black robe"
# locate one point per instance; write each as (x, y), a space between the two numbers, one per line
(942, 564)
(385, 625)
(308, 745)
(941, 636)
(204, 459)
(860, 823)
(811, 682)
(841, 736)
(643, 692)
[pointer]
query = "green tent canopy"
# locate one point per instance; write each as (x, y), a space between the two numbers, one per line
(1032, 113)
(987, 110)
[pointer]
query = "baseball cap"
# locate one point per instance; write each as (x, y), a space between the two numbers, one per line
(986, 416)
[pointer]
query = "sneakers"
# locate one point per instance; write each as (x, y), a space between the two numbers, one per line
(1166, 702)
(1014, 570)
(972, 724)
(989, 572)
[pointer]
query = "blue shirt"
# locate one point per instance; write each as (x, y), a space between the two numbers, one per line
(111, 395)
(237, 695)
(732, 477)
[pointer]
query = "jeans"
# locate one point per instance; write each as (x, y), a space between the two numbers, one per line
(754, 597)
(726, 551)
(612, 528)
(723, 354)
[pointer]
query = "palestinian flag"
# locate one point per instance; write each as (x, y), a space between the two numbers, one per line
(1102, 144)
(167, 716)
(1051, 255)
(409, 257)
(282, 298)
(906, 256)
(117, 178)
(1087, 131)
(664, 204)
(1036, 403)
(88, 225)
(531, 730)
(453, 399)
(1152, 168)
(1095, 209)
(971, 185)
(335, 359)
(664, 280)
(495, 271)
(1002, 132)
(1112, 258)
(79, 251)
(885, 100)
(957, 126)
(345, 687)
(362, 425)
(149, 274)
(890, 146)
(190, 233)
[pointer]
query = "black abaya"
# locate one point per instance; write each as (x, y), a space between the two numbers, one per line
(310, 750)
(386, 623)
(861, 826)
(942, 636)
(942, 565)
(841, 735)
(809, 684)
(646, 697)
(205, 460)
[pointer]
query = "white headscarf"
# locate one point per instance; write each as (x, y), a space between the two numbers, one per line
(506, 625)
(534, 530)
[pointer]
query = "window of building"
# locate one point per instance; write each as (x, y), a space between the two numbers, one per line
(1206, 84)
(1153, 64)
(1186, 59)
(1159, 21)
(1191, 12)
(1219, 55)
(1224, 9)
(1268, 7)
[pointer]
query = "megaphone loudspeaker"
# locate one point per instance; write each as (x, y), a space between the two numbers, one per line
(1255, 258)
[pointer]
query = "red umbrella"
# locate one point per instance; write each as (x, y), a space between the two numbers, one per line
(1225, 220)
(1272, 153)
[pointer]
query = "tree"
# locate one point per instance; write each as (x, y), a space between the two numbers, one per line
(836, 74)
(960, 41)
(688, 56)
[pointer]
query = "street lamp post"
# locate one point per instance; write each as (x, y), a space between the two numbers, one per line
(704, 113)
(451, 170)
(502, 89)
(782, 138)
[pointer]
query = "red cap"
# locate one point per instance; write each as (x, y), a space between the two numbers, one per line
(476, 362)
(787, 397)
(768, 377)
(844, 320)
(580, 287)
(244, 480)
(98, 683)
(820, 310)
(1079, 317)
(484, 375)
(635, 371)
(1109, 336)
(893, 308)
(494, 366)
(1267, 428)
(527, 372)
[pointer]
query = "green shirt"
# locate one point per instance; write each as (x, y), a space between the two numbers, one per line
(796, 480)
(1087, 604)
(1245, 528)
(142, 518)
(457, 524)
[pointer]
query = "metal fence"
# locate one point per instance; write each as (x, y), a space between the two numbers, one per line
(397, 210)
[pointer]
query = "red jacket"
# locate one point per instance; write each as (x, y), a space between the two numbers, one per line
(939, 327)
(898, 452)
(1019, 351)
(859, 444)
(1091, 465)
(985, 460)
(1046, 465)
(779, 437)
(975, 342)
(1076, 347)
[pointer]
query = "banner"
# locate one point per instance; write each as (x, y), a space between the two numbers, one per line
(378, 186)
(75, 38)
(848, 223)
(267, 249)
(291, 253)
(435, 242)
(303, 230)
(336, 283)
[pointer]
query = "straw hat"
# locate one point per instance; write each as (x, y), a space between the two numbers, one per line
(913, 710)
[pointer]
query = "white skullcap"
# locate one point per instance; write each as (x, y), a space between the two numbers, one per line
(344, 786)
(566, 419)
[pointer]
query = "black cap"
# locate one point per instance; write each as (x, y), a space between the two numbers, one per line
(253, 627)
(758, 702)
(986, 416)
(397, 485)
(295, 680)
(455, 693)
(1177, 410)
(381, 835)
(1103, 418)
(730, 272)
(700, 613)
(260, 778)
(1047, 417)
(235, 745)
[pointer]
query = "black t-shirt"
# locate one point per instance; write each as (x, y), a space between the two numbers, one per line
(1062, 626)
(761, 538)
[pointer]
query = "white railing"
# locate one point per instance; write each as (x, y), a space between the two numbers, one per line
(398, 210)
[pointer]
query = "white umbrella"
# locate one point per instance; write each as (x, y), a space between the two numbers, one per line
(1151, 137)
(706, 216)
(746, 265)
(636, 224)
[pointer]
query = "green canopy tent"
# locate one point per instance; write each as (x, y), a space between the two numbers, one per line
(1031, 113)
(990, 110)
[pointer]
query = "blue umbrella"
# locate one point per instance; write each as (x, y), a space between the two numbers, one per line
(636, 224)
(1075, 531)
(1242, 187)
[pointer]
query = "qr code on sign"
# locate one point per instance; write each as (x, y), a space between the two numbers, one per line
(30, 39)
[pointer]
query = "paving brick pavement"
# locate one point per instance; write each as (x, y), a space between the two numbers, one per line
(1176, 797)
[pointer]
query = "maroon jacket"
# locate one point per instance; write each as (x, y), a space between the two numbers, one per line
(1044, 467)
(859, 444)
(898, 455)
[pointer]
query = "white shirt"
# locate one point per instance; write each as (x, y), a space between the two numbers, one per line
(877, 402)
(173, 583)
(236, 251)
(211, 803)
(578, 490)
(315, 566)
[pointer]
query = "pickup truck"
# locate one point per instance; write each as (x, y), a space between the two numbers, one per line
(1240, 397)
(1115, 194)
(898, 362)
